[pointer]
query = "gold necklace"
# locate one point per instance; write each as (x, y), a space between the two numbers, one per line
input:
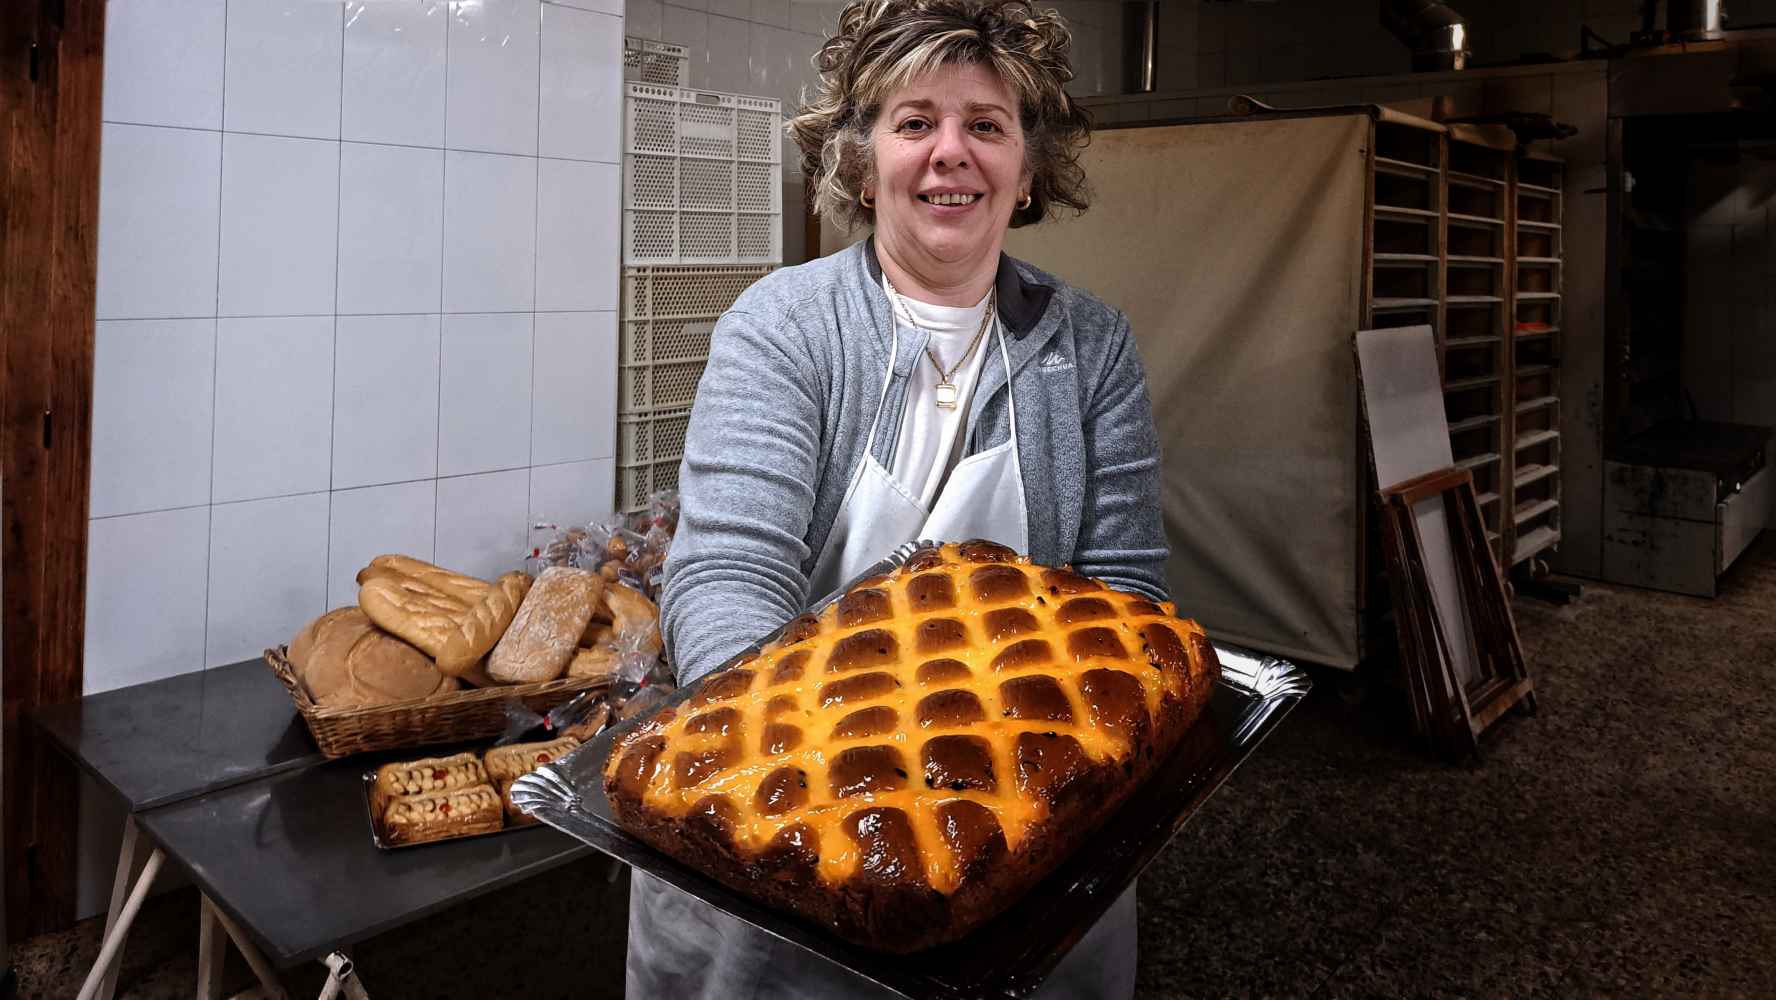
(947, 393)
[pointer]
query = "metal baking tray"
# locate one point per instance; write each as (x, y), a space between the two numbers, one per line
(1010, 955)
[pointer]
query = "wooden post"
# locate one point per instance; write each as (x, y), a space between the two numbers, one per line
(51, 71)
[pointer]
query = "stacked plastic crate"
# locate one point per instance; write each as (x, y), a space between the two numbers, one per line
(702, 220)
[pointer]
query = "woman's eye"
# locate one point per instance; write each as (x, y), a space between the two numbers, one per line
(913, 125)
(986, 126)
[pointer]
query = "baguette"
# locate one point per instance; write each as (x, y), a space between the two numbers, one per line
(466, 589)
(547, 628)
(453, 621)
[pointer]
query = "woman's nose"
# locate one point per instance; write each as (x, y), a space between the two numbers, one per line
(951, 149)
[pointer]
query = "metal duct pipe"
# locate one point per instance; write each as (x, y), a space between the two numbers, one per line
(1694, 19)
(1437, 35)
(1140, 46)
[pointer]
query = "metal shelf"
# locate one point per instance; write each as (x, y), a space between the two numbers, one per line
(1537, 296)
(1474, 423)
(1462, 259)
(1538, 403)
(1549, 226)
(1537, 189)
(1539, 260)
(1474, 300)
(1474, 221)
(1485, 498)
(1527, 334)
(1477, 461)
(1405, 258)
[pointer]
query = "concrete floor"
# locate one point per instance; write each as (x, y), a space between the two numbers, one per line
(1621, 842)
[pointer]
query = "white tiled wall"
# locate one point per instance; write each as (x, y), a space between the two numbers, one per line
(326, 231)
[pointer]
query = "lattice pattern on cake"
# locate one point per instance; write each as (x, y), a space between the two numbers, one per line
(921, 718)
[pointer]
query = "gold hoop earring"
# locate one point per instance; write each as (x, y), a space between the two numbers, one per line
(1024, 204)
(863, 199)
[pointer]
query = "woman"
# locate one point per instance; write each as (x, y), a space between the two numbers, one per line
(919, 384)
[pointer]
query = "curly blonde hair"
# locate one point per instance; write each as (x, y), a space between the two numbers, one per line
(882, 45)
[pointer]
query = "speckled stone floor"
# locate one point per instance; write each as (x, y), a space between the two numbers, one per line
(1621, 842)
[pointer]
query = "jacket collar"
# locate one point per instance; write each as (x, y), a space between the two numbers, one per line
(1021, 302)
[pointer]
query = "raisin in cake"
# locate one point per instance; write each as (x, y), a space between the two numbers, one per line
(908, 763)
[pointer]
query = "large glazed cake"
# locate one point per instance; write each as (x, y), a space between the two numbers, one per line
(909, 763)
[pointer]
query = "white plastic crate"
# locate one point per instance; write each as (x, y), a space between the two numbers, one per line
(655, 62)
(635, 483)
(668, 315)
(701, 177)
(652, 437)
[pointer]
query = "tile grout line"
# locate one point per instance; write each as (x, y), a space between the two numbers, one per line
(333, 382)
(536, 261)
(215, 345)
(443, 251)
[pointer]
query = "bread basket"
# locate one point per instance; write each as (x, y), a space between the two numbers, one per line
(461, 716)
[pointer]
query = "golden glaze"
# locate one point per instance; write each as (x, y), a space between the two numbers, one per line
(806, 728)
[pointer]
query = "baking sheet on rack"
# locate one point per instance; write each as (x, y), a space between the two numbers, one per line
(1010, 955)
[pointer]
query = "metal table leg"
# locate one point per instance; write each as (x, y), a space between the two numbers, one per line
(118, 924)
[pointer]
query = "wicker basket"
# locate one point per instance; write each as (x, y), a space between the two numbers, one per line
(470, 714)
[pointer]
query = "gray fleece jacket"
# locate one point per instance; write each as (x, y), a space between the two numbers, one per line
(795, 372)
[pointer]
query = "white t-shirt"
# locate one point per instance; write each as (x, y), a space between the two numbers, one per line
(931, 436)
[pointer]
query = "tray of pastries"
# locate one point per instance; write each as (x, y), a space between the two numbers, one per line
(460, 795)
(939, 779)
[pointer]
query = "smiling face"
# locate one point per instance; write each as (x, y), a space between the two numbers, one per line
(950, 170)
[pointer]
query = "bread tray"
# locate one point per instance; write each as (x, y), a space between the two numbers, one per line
(1010, 955)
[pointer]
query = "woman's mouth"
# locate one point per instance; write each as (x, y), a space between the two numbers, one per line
(949, 199)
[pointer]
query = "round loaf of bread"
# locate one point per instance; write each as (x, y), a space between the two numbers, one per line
(344, 660)
(384, 669)
(319, 652)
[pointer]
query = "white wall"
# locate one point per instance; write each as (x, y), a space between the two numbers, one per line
(357, 287)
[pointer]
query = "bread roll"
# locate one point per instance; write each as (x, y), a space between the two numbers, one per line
(547, 628)
(633, 613)
(599, 661)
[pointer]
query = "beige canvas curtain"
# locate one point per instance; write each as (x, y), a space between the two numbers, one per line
(1236, 249)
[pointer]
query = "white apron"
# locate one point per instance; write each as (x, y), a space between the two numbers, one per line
(680, 947)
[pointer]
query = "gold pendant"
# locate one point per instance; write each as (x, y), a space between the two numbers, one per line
(946, 395)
